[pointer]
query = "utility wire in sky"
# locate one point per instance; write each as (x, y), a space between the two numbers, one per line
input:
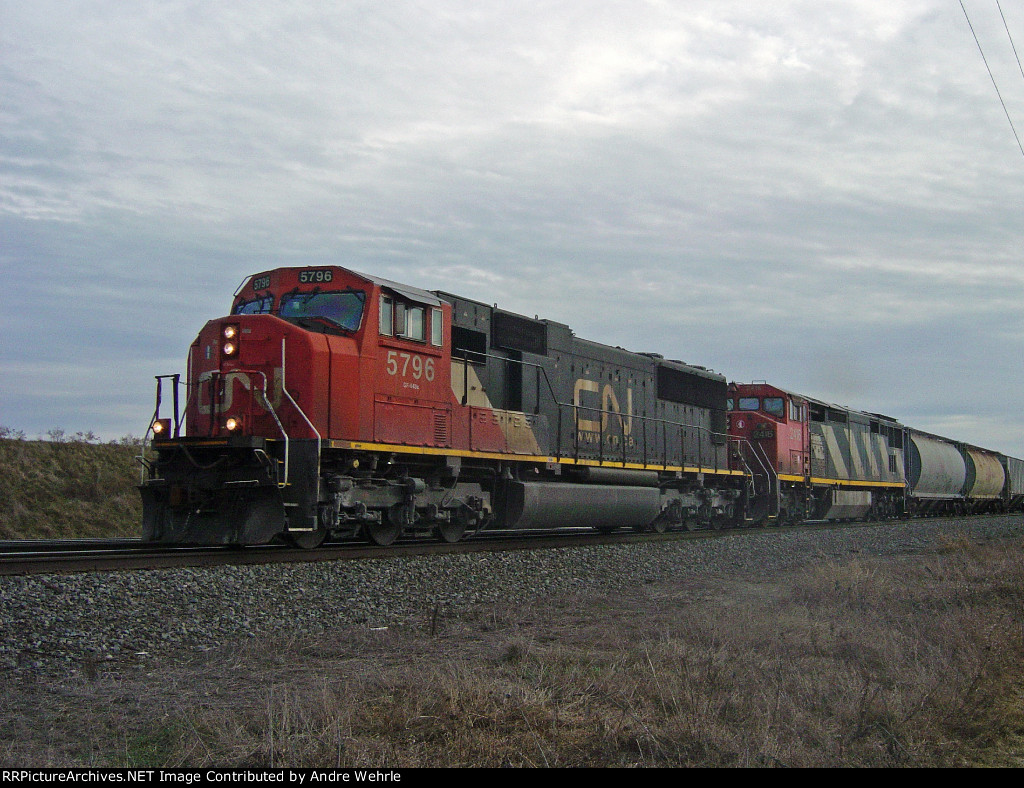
(1010, 37)
(990, 76)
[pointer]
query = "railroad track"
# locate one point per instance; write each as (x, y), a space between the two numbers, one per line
(85, 555)
(93, 555)
(28, 557)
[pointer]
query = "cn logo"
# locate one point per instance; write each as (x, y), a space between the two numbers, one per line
(225, 397)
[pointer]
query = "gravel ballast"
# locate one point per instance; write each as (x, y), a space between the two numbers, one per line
(66, 623)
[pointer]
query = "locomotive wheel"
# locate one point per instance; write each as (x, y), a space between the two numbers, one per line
(308, 540)
(451, 532)
(382, 534)
(390, 527)
(660, 525)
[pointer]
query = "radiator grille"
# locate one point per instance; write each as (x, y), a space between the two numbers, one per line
(440, 428)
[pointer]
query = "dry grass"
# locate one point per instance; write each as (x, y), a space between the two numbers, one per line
(915, 661)
(68, 487)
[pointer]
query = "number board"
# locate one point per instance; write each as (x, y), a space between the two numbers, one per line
(315, 275)
(261, 282)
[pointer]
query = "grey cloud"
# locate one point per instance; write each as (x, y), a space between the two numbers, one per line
(826, 196)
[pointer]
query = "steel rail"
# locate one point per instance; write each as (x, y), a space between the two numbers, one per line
(31, 557)
(65, 556)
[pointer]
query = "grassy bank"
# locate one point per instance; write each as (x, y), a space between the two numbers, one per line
(69, 486)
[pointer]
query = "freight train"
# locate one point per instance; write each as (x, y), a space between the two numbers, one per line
(332, 404)
(815, 460)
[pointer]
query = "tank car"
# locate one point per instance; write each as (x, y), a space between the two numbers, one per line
(329, 402)
(809, 459)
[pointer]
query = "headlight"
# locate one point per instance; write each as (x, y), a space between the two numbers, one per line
(161, 428)
(232, 424)
(230, 335)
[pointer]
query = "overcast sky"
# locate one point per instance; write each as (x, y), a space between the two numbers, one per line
(826, 196)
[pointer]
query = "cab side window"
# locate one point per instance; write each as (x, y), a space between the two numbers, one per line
(410, 321)
(387, 316)
(415, 327)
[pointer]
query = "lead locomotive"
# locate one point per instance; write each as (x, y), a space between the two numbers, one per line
(332, 403)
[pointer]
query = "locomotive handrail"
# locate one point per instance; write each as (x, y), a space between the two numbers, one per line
(466, 362)
(742, 457)
(159, 400)
(265, 402)
(314, 430)
(141, 459)
(190, 390)
(260, 394)
(767, 468)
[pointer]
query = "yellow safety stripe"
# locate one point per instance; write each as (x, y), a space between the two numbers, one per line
(483, 455)
(203, 443)
(850, 482)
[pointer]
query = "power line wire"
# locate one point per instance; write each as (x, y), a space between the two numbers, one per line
(990, 76)
(1010, 37)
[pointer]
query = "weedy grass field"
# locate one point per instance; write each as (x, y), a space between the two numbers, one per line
(69, 486)
(913, 660)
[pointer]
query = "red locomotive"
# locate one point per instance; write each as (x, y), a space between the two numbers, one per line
(329, 402)
(811, 459)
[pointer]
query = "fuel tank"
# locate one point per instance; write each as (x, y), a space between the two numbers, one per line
(561, 505)
(848, 504)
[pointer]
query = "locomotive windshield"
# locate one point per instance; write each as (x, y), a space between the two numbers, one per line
(773, 406)
(342, 310)
(258, 306)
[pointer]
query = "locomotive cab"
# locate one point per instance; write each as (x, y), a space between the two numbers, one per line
(770, 428)
(772, 425)
(270, 369)
(266, 386)
(286, 398)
